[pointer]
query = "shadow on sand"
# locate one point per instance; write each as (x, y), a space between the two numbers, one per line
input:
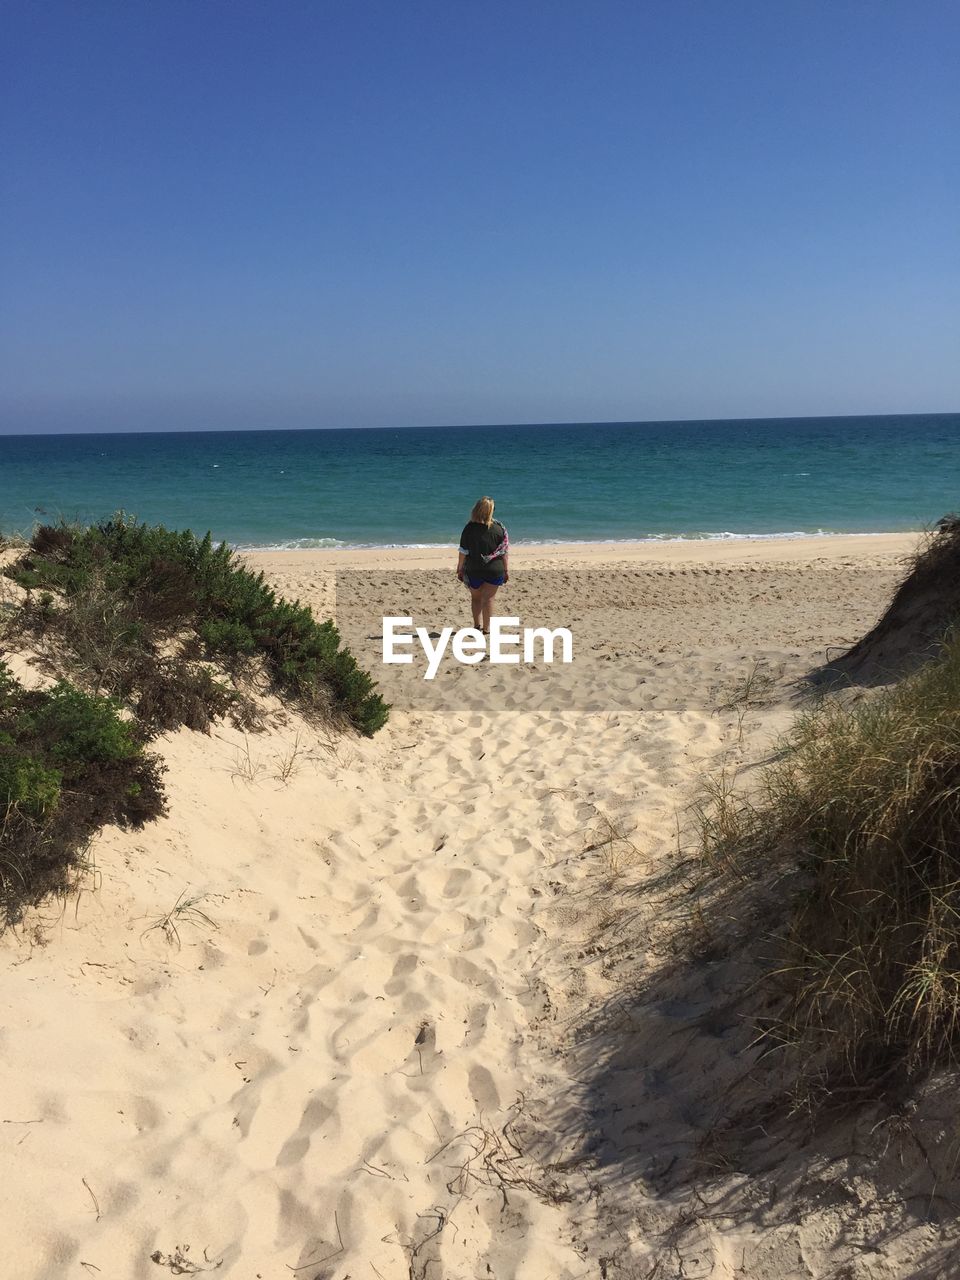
(689, 1139)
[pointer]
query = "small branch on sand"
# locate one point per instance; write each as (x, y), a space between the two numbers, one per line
(96, 1202)
(179, 1264)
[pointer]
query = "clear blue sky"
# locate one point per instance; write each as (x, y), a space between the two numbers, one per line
(221, 213)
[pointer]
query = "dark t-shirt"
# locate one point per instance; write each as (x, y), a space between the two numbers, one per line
(479, 540)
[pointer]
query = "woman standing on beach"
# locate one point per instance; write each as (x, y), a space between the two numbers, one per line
(482, 562)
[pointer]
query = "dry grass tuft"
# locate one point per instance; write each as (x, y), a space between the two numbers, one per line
(615, 850)
(866, 802)
(751, 692)
(186, 910)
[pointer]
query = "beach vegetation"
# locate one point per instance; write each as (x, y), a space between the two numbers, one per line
(173, 693)
(921, 615)
(140, 609)
(186, 910)
(69, 764)
(11, 541)
(858, 819)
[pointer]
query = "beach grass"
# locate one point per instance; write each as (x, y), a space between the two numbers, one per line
(865, 800)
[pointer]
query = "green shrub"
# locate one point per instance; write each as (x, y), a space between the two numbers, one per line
(8, 686)
(128, 586)
(26, 784)
(68, 765)
(113, 602)
(227, 639)
(79, 727)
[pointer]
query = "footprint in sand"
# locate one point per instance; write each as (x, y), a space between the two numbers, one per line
(483, 1088)
(404, 966)
(315, 1114)
(456, 880)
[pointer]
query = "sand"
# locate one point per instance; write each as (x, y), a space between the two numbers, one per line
(332, 1017)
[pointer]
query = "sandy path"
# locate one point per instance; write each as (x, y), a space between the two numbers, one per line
(312, 1073)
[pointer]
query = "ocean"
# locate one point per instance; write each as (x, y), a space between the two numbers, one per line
(571, 482)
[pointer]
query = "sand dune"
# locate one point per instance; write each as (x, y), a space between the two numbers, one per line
(320, 1021)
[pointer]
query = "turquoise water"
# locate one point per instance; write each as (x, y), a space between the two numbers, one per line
(590, 481)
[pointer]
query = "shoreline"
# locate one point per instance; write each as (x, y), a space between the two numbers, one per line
(790, 548)
(334, 544)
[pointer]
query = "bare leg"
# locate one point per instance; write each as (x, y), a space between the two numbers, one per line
(487, 592)
(476, 606)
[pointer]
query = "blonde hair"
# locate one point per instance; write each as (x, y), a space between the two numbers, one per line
(482, 511)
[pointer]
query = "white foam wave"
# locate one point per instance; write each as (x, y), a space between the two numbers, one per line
(336, 544)
(295, 544)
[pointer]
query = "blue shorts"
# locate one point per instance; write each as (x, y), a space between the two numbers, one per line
(477, 583)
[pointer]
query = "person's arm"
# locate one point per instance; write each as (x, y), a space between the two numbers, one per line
(461, 559)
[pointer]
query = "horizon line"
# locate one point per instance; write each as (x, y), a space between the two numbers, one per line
(446, 426)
